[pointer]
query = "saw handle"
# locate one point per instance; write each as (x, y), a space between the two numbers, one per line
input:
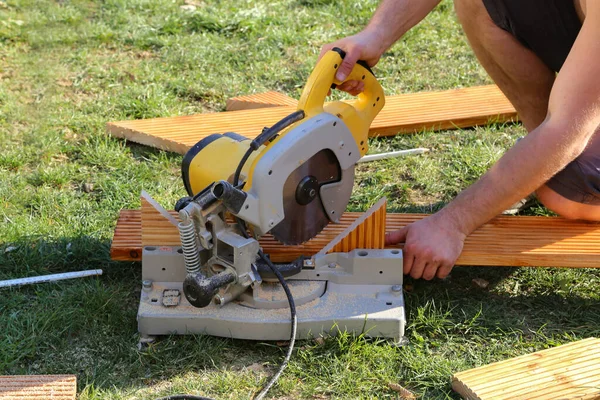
(358, 114)
(362, 63)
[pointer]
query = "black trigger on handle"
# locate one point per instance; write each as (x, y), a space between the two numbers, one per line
(362, 63)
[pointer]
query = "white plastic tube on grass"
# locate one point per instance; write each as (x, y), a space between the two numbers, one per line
(49, 278)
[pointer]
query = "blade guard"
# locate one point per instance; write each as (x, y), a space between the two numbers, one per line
(358, 114)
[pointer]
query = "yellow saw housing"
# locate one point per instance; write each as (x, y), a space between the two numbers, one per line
(217, 156)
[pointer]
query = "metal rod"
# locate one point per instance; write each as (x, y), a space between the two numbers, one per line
(392, 154)
(49, 278)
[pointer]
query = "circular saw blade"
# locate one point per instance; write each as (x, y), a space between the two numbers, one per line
(304, 221)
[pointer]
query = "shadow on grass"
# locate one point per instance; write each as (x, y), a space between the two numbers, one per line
(88, 326)
(506, 306)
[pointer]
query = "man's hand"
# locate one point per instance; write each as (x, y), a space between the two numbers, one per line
(363, 46)
(431, 247)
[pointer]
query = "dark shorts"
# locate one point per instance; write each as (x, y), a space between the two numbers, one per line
(549, 29)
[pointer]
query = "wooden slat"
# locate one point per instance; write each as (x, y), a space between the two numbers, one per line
(259, 100)
(564, 372)
(404, 113)
(504, 241)
(38, 387)
(366, 232)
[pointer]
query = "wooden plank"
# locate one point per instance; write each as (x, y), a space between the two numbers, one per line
(259, 100)
(127, 238)
(38, 387)
(564, 372)
(504, 241)
(405, 113)
(366, 232)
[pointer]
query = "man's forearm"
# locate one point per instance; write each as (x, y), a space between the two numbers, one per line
(522, 170)
(394, 18)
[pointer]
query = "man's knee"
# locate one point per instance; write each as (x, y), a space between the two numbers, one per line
(565, 207)
(574, 192)
(556, 203)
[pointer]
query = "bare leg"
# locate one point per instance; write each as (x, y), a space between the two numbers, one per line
(523, 78)
(569, 208)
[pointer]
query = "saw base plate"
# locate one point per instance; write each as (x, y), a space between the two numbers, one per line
(357, 292)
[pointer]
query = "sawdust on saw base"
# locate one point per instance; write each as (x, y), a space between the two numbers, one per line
(274, 291)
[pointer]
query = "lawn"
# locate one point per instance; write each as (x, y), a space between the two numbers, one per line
(68, 67)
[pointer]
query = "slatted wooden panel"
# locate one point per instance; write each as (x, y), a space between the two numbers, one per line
(504, 241)
(127, 238)
(259, 100)
(38, 387)
(404, 113)
(571, 371)
(366, 232)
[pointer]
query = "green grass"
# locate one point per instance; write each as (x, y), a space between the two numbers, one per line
(68, 67)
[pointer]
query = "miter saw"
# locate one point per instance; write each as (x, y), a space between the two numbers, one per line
(291, 181)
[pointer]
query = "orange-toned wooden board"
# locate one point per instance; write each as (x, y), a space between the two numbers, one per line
(504, 241)
(366, 232)
(259, 100)
(569, 371)
(405, 113)
(38, 387)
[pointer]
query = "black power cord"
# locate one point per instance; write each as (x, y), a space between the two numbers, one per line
(293, 315)
(266, 135)
(294, 319)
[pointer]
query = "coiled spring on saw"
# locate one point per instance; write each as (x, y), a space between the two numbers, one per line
(189, 246)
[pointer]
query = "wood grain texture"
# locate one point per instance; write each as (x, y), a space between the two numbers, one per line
(564, 372)
(366, 232)
(38, 387)
(405, 113)
(504, 241)
(154, 224)
(259, 100)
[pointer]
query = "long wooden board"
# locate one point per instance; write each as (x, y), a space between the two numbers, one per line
(405, 113)
(570, 371)
(259, 100)
(504, 241)
(38, 387)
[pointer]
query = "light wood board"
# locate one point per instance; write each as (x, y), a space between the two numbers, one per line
(366, 232)
(570, 371)
(504, 241)
(259, 100)
(405, 113)
(38, 387)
